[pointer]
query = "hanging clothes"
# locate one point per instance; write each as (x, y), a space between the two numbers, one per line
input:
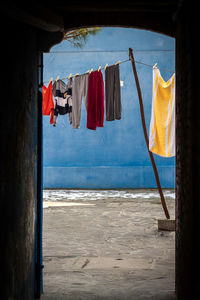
(61, 101)
(47, 101)
(162, 125)
(95, 104)
(69, 86)
(69, 97)
(69, 103)
(79, 90)
(113, 93)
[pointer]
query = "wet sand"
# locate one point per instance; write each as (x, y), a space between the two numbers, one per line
(106, 245)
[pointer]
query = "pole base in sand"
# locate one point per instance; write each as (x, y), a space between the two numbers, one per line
(167, 225)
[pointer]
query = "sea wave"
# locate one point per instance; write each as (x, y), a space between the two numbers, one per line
(94, 195)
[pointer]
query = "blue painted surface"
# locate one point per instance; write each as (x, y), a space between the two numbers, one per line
(114, 156)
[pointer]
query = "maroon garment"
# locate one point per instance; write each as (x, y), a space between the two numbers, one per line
(95, 103)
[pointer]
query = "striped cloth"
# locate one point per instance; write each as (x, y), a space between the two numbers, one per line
(162, 125)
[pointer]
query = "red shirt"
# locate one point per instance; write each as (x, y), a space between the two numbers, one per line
(47, 103)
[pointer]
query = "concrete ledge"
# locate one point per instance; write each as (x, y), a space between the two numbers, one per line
(168, 225)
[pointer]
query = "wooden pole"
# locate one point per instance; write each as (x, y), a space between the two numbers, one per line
(146, 136)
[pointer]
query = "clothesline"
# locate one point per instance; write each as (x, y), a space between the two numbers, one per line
(123, 61)
(109, 51)
(90, 85)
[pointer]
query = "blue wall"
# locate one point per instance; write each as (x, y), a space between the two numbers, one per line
(114, 156)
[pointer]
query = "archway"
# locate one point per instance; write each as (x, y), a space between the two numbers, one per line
(72, 151)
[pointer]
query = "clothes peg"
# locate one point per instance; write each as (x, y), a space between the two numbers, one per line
(76, 74)
(51, 79)
(58, 77)
(88, 71)
(106, 66)
(91, 70)
(118, 62)
(155, 66)
(99, 68)
(70, 75)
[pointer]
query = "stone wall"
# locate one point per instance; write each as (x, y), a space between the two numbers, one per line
(19, 160)
(187, 157)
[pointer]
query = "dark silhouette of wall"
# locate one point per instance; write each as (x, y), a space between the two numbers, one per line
(19, 161)
(187, 156)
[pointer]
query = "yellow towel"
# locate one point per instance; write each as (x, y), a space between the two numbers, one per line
(162, 125)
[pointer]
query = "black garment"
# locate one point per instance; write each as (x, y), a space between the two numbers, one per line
(113, 93)
(61, 110)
